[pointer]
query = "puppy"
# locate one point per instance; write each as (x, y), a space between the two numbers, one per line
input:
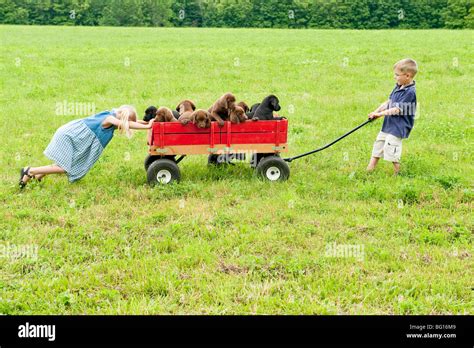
(150, 113)
(251, 112)
(220, 110)
(244, 106)
(185, 109)
(264, 111)
(164, 114)
(201, 118)
(175, 114)
(185, 105)
(237, 115)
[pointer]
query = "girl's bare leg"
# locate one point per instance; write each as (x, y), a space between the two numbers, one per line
(39, 172)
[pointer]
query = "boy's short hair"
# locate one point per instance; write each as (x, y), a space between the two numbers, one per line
(407, 65)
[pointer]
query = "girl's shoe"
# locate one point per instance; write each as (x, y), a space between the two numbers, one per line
(24, 172)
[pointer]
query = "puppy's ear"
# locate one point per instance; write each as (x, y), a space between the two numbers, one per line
(244, 106)
(158, 117)
(192, 105)
(275, 103)
(229, 100)
(177, 107)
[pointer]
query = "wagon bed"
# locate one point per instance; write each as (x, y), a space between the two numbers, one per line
(173, 138)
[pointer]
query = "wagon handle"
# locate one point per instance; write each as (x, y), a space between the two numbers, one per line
(289, 159)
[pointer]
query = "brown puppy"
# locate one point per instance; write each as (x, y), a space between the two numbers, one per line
(164, 114)
(201, 118)
(220, 110)
(185, 109)
(244, 106)
(237, 115)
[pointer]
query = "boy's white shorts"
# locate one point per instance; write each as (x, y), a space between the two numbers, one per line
(389, 146)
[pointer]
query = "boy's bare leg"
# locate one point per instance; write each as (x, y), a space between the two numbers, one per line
(39, 172)
(373, 162)
(396, 168)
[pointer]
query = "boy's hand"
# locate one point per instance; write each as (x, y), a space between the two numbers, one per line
(374, 115)
(150, 123)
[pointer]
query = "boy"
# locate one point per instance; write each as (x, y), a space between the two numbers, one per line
(399, 112)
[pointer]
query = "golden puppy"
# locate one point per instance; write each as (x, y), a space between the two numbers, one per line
(201, 118)
(244, 106)
(220, 110)
(185, 109)
(164, 114)
(237, 115)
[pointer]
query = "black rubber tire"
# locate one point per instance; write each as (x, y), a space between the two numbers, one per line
(212, 159)
(273, 168)
(152, 158)
(218, 160)
(257, 157)
(167, 169)
(149, 160)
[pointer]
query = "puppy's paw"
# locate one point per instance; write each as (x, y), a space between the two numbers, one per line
(254, 118)
(221, 123)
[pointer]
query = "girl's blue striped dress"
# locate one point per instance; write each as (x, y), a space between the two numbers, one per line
(77, 145)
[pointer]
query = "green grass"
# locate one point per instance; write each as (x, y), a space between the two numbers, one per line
(222, 241)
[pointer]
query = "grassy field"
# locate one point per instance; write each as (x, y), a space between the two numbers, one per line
(222, 241)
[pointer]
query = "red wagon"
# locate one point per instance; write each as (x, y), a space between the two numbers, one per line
(263, 140)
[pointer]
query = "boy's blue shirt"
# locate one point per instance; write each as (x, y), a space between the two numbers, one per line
(405, 99)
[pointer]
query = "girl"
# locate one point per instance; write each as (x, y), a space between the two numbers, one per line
(77, 145)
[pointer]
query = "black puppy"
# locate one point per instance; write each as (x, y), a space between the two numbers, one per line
(252, 110)
(264, 110)
(150, 113)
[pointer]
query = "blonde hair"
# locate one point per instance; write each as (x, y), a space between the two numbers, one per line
(407, 65)
(125, 114)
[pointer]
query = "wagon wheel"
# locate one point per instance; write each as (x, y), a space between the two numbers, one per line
(273, 168)
(212, 159)
(163, 171)
(219, 159)
(149, 160)
(225, 158)
(152, 158)
(256, 158)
